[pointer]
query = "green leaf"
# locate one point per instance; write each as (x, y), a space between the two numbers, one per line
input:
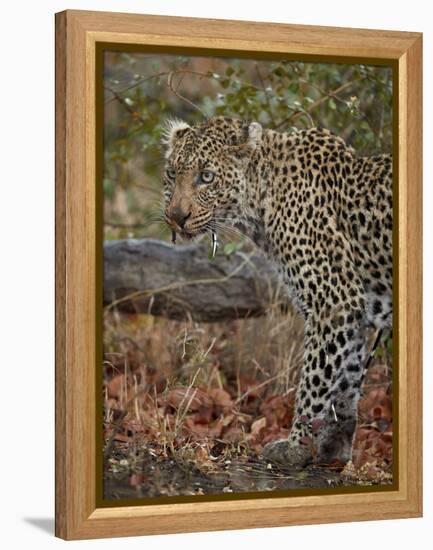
(379, 352)
(225, 83)
(279, 71)
(230, 248)
(389, 346)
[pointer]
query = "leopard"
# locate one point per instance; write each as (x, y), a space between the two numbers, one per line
(323, 216)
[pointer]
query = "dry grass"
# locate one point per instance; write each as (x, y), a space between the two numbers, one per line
(149, 360)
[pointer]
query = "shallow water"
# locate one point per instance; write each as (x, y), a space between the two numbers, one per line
(158, 476)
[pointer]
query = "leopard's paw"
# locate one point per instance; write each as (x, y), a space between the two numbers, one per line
(287, 453)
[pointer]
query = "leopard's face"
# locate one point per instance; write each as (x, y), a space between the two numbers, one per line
(205, 174)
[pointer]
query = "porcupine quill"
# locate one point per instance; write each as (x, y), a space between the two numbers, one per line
(214, 243)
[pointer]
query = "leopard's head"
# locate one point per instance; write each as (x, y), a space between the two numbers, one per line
(205, 174)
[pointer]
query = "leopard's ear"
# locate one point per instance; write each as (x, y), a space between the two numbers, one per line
(174, 129)
(253, 137)
(255, 132)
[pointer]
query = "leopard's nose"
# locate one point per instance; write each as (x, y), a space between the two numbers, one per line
(179, 216)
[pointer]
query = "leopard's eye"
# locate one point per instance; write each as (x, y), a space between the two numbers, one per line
(170, 173)
(207, 176)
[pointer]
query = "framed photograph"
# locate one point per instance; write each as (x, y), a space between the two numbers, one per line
(238, 274)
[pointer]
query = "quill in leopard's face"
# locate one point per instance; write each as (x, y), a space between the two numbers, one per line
(205, 170)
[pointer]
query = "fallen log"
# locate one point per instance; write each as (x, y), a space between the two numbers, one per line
(180, 282)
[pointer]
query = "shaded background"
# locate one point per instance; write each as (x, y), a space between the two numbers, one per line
(188, 405)
(141, 91)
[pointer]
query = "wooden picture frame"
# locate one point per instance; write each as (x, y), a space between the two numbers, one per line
(78, 259)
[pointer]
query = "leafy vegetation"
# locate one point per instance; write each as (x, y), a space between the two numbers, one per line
(142, 91)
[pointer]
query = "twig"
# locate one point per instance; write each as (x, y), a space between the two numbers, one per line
(298, 113)
(170, 75)
(261, 385)
(138, 83)
(265, 91)
(180, 96)
(126, 225)
(135, 114)
(306, 112)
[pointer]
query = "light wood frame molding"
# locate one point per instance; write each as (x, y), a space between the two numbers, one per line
(77, 33)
